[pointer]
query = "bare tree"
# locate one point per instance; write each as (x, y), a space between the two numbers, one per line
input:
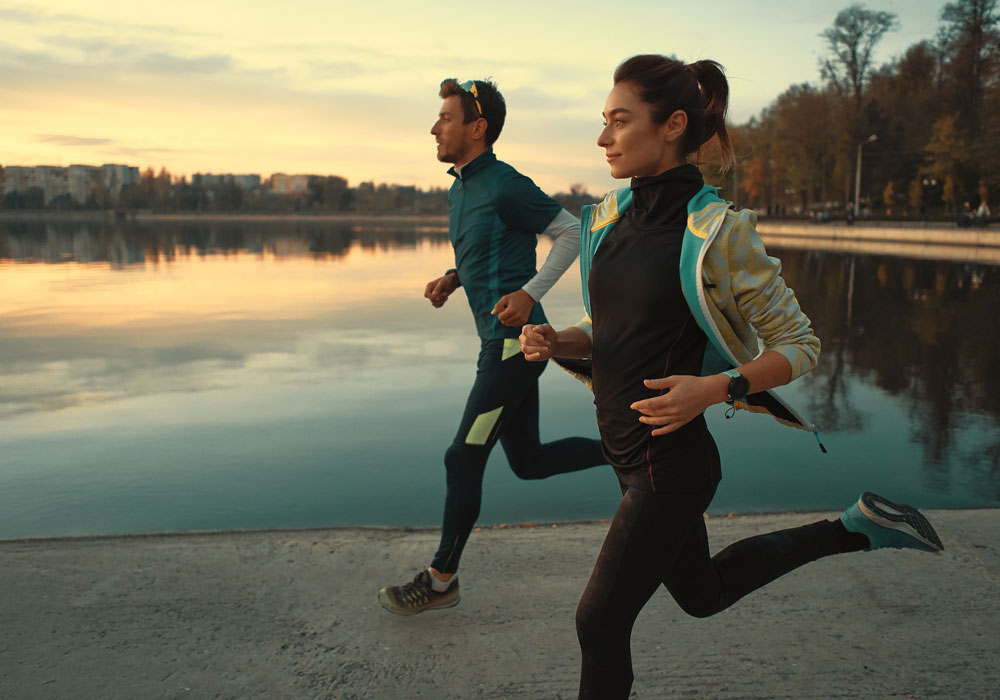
(851, 40)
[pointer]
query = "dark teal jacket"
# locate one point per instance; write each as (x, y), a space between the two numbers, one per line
(495, 217)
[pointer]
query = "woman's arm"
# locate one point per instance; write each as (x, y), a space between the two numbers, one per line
(686, 397)
(542, 342)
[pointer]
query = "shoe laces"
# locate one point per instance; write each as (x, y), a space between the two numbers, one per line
(416, 591)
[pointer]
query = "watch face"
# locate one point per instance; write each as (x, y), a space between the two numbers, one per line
(738, 388)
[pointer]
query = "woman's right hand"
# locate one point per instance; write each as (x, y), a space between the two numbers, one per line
(538, 342)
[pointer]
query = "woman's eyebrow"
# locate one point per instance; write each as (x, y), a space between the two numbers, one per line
(615, 111)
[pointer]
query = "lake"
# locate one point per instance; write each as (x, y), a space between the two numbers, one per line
(224, 375)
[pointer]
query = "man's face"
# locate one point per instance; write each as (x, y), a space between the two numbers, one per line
(454, 139)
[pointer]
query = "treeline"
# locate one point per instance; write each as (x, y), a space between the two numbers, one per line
(321, 194)
(925, 126)
(163, 192)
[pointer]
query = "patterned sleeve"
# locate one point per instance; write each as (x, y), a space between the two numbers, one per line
(769, 305)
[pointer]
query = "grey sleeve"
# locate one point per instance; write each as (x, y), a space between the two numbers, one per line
(565, 230)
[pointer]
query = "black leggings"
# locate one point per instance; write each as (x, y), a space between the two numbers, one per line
(503, 405)
(661, 538)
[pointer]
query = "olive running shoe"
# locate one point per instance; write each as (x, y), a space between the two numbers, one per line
(887, 524)
(417, 595)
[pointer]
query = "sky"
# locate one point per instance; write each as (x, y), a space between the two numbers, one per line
(350, 88)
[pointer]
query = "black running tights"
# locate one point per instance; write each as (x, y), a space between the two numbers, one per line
(660, 538)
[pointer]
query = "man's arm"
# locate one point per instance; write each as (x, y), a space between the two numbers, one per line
(440, 289)
(565, 233)
(513, 309)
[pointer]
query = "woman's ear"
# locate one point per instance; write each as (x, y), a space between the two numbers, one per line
(675, 126)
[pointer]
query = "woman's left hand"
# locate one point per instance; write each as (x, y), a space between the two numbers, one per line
(685, 397)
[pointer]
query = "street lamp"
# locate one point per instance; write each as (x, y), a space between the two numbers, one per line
(857, 177)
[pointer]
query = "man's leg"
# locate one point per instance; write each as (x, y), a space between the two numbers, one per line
(527, 456)
(497, 387)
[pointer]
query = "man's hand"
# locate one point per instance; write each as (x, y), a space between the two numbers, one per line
(538, 342)
(514, 309)
(440, 289)
(686, 398)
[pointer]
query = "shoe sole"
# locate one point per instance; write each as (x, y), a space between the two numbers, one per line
(410, 613)
(901, 518)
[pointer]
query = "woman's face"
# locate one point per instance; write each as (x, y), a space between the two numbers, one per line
(636, 146)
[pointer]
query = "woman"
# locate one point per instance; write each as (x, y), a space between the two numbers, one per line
(678, 289)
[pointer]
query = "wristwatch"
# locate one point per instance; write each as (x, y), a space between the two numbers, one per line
(738, 386)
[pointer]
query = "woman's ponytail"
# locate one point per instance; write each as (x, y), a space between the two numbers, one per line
(699, 89)
(715, 95)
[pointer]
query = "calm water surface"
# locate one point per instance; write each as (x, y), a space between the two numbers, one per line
(203, 376)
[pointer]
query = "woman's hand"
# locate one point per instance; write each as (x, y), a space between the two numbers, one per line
(685, 397)
(537, 342)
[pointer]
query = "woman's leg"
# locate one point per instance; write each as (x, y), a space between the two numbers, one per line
(704, 585)
(645, 538)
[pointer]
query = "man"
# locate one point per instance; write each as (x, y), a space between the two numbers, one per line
(495, 216)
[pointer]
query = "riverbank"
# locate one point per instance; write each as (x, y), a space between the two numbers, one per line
(236, 217)
(915, 242)
(293, 614)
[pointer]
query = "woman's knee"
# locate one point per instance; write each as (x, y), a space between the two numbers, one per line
(697, 603)
(593, 623)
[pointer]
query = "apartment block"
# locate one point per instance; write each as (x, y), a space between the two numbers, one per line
(78, 181)
(244, 182)
(289, 184)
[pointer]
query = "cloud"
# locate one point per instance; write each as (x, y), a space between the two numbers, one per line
(68, 140)
(49, 18)
(336, 69)
(161, 60)
(143, 151)
(170, 64)
(19, 16)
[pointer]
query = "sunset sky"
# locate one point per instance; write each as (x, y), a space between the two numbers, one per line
(351, 88)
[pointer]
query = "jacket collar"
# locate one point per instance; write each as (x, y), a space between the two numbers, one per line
(478, 163)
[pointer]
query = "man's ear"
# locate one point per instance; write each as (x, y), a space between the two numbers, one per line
(675, 126)
(479, 130)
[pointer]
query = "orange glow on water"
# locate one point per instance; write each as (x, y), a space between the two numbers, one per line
(185, 288)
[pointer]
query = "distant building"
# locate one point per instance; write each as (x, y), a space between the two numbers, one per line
(78, 181)
(18, 178)
(83, 179)
(115, 177)
(289, 184)
(245, 182)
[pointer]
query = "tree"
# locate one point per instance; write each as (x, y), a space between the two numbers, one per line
(851, 40)
(944, 149)
(948, 192)
(889, 197)
(916, 195)
(971, 39)
(805, 140)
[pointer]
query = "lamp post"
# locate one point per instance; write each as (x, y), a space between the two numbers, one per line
(857, 177)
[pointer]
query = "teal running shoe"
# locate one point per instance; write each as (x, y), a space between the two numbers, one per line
(887, 524)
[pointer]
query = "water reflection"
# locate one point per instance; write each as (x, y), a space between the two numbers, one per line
(213, 374)
(919, 330)
(126, 244)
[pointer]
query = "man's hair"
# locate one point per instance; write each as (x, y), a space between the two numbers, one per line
(492, 103)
